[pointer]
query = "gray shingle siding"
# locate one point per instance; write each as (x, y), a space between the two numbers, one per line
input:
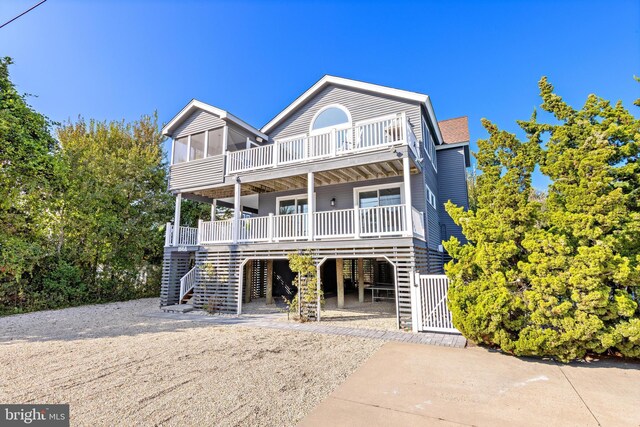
(362, 106)
(452, 185)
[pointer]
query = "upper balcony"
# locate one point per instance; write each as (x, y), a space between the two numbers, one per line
(369, 135)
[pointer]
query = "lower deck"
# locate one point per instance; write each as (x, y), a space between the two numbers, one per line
(228, 278)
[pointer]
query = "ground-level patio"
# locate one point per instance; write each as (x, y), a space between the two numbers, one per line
(130, 364)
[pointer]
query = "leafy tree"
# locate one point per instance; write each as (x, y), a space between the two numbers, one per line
(29, 182)
(561, 278)
(191, 212)
(82, 219)
(114, 207)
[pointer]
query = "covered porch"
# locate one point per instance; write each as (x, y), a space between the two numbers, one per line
(360, 202)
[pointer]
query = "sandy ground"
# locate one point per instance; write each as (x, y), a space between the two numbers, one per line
(116, 366)
(379, 315)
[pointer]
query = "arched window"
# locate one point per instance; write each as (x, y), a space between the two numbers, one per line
(331, 116)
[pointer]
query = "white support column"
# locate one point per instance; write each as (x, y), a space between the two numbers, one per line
(311, 204)
(176, 219)
(213, 209)
(406, 175)
(236, 212)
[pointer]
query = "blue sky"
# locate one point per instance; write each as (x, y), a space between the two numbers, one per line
(121, 59)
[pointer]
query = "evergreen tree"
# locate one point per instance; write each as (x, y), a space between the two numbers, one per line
(560, 280)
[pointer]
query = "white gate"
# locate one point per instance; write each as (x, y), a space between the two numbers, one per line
(429, 304)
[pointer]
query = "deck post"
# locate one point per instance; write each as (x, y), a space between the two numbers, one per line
(248, 281)
(406, 175)
(176, 219)
(340, 281)
(361, 279)
(235, 230)
(275, 150)
(311, 206)
(213, 209)
(270, 281)
(270, 227)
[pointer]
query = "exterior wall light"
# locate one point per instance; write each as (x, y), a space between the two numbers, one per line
(333, 201)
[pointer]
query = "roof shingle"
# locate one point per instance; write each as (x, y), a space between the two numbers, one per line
(455, 130)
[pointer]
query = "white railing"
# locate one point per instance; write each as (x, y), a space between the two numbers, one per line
(382, 220)
(187, 236)
(369, 134)
(216, 231)
(254, 229)
(290, 227)
(343, 223)
(249, 159)
(339, 223)
(381, 131)
(291, 150)
(187, 282)
(417, 219)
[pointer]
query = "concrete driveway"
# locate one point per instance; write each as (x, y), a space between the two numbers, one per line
(410, 385)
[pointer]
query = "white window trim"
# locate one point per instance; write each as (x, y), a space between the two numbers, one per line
(293, 197)
(428, 142)
(431, 195)
(206, 141)
(325, 129)
(173, 148)
(206, 144)
(358, 190)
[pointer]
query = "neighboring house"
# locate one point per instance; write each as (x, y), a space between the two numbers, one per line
(356, 173)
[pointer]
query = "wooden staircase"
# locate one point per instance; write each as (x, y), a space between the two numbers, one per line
(187, 297)
(187, 283)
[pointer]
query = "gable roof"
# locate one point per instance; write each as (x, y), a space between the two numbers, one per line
(455, 131)
(355, 84)
(195, 105)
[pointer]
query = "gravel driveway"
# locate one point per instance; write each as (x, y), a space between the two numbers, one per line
(116, 366)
